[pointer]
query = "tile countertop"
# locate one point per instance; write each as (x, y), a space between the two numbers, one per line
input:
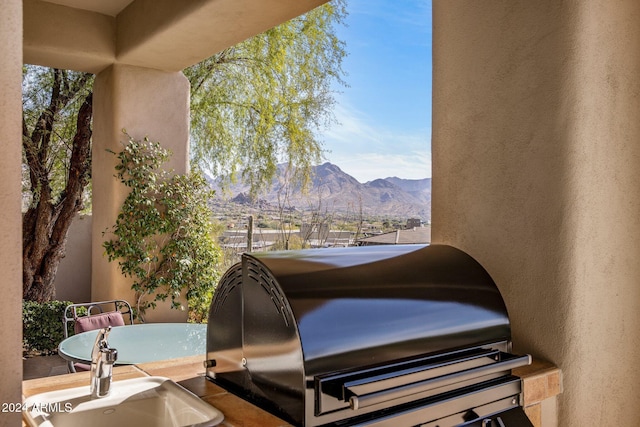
(541, 381)
(188, 372)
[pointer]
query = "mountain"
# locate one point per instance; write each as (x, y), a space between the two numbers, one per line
(419, 188)
(333, 190)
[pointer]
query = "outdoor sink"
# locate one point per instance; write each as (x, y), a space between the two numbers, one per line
(149, 401)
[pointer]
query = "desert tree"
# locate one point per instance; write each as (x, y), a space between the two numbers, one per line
(263, 102)
(56, 147)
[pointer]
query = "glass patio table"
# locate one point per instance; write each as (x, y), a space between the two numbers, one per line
(147, 342)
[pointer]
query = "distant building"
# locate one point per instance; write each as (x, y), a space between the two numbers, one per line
(264, 239)
(314, 231)
(418, 235)
(413, 223)
(237, 239)
(339, 238)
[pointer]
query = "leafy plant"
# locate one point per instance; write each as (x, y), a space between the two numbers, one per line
(42, 328)
(163, 236)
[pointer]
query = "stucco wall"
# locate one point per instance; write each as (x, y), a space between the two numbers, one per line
(536, 171)
(73, 280)
(10, 198)
(145, 102)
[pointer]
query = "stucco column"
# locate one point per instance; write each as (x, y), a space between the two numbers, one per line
(536, 173)
(145, 102)
(10, 200)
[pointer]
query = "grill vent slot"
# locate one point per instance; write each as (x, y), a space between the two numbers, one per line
(268, 284)
(227, 284)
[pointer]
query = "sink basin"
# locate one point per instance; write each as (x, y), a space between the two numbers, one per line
(149, 401)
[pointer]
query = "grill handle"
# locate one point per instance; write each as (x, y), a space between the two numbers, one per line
(385, 395)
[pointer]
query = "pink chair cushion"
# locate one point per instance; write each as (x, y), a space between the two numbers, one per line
(97, 321)
(81, 367)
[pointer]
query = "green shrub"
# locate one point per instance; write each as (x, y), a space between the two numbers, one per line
(163, 236)
(42, 325)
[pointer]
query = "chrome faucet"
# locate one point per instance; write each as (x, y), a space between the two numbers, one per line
(102, 359)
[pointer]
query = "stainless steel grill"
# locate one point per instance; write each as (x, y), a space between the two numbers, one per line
(368, 336)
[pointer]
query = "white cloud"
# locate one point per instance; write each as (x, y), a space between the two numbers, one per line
(368, 151)
(370, 166)
(352, 126)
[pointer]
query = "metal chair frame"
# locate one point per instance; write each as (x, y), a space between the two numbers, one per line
(93, 308)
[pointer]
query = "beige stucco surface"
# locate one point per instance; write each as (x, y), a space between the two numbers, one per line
(165, 35)
(168, 35)
(68, 38)
(145, 102)
(73, 279)
(536, 154)
(11, 218)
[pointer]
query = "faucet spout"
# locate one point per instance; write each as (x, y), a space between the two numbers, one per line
(102, 359)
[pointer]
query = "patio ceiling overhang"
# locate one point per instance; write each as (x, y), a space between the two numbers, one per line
(170, 35)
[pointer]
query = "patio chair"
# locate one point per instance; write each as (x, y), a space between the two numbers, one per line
(97, 315)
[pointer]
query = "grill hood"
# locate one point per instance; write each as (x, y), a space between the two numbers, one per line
(283, 322)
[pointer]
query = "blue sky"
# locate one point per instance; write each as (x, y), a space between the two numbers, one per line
(385, 114)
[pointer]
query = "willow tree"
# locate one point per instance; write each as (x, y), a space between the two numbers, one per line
(263, 101)
(253, 105)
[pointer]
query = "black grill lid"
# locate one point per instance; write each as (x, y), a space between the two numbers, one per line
(363, 306)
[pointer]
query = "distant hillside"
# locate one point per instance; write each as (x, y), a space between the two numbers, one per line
(336, 191)
(420, 188)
